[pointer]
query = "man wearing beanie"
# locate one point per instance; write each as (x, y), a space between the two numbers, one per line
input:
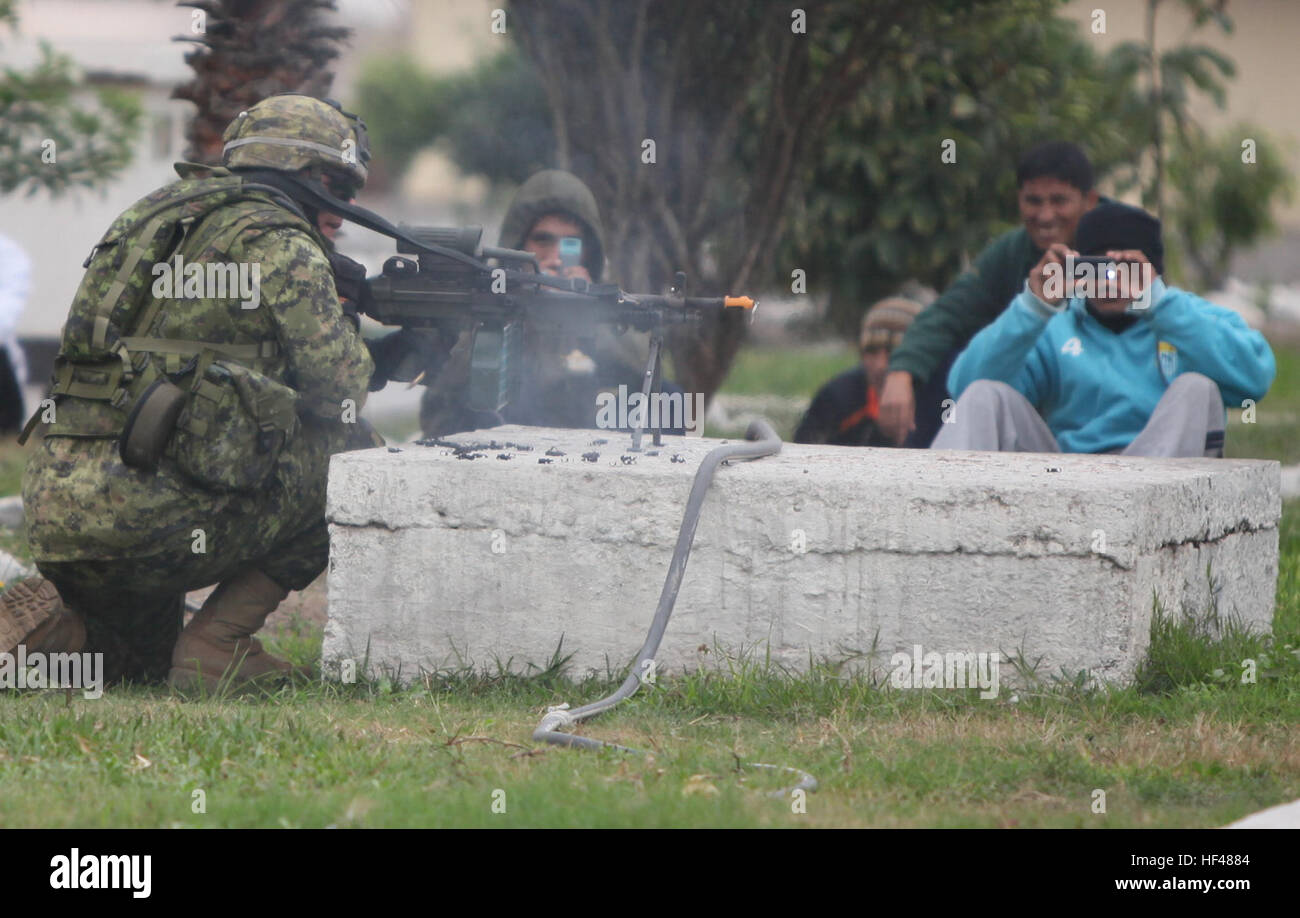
(845, 410)
(1118, 362)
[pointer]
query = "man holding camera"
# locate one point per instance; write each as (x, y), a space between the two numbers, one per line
(1101, 356)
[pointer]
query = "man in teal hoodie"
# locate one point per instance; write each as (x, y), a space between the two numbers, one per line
(1129, 365)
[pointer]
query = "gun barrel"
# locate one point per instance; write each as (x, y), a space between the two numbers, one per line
(690, 304)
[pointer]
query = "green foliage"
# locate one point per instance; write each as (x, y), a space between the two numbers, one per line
(1204, 10)
(407, 109)
(791, 370)
(875, 204)
(1223, 201)
(1195, 649)
(50, 137)
(498, 125)
(400, 106)
(1169, 80)
(1274, 433)
(883, 207)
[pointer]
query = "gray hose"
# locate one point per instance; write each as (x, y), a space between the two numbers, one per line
(760, 440)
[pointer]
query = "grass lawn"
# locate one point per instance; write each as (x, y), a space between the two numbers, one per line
(1188, 745)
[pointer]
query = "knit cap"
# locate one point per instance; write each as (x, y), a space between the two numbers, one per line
(1113, 225)
(885, 322)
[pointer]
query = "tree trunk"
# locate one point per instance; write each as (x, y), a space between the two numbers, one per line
(248, 50)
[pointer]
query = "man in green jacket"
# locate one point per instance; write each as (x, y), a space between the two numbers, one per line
(1055, 184)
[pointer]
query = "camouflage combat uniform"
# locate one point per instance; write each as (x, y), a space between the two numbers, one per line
(123, 545)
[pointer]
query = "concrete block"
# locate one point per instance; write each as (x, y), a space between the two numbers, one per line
(439, 560)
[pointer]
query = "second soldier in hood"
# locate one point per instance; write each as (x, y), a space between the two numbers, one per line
(561, 374)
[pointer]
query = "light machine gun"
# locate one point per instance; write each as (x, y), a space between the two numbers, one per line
(450, 285)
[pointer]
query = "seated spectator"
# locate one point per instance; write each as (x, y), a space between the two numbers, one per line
(1149, 373)
(844, 412)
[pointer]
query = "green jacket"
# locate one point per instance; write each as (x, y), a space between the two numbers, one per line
(972, 301)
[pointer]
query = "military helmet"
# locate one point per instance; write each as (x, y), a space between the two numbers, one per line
(291, 131)
(358, 132)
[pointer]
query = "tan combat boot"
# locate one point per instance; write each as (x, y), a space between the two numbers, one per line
(218, 644)
(32, 614)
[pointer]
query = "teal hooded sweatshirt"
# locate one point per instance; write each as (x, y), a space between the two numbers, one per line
(1097, 388)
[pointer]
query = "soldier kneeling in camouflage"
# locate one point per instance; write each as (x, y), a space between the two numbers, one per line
(208, 369)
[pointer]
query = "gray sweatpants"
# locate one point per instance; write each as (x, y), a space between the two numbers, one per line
(1188, 421)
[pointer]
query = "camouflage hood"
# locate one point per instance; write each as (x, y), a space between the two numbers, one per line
(555, 191)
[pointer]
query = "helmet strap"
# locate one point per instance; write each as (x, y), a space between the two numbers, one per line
(312, 194)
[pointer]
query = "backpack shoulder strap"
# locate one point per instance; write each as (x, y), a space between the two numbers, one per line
(219, 237)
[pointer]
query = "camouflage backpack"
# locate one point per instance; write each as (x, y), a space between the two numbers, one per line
(110, 377)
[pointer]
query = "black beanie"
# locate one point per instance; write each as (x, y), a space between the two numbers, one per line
(1112, 225)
